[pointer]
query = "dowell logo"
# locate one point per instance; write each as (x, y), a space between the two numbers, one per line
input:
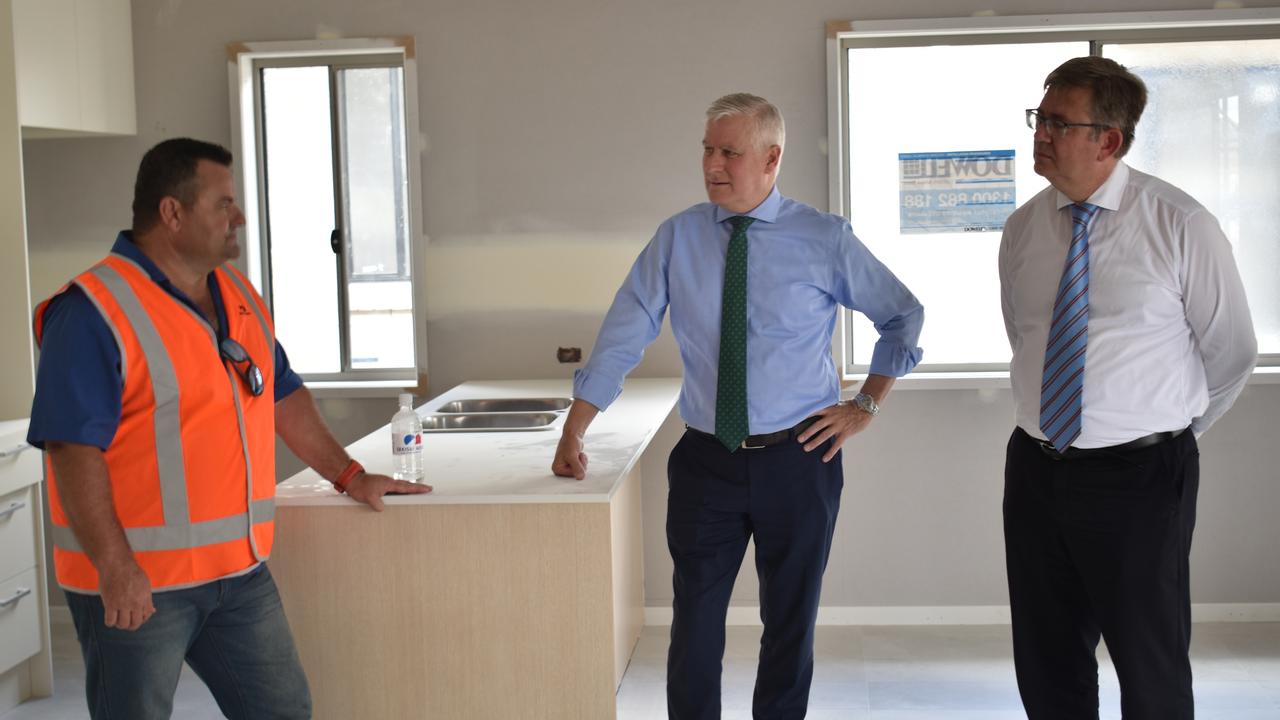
(957, 167)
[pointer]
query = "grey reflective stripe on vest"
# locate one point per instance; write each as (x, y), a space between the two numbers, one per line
(179, 537)
(164, 385)
(248, 465)
(262, 320)
(244, 435)
(124, 366)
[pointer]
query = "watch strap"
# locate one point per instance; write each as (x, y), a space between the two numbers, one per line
(348, 473)
(867, 404)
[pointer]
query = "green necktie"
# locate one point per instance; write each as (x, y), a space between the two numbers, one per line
(731, 385)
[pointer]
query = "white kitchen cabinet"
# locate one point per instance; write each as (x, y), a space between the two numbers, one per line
(75, 67)
(26, 663)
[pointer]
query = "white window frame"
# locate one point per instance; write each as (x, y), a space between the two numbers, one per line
(243, 61)
(1095, 27)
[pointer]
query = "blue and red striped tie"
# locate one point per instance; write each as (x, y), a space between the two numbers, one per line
(1062, 387)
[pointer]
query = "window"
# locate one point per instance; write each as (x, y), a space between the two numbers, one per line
(930, 151)
(328, 177)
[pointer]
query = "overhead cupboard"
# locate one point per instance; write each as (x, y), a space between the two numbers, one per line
(75, 67)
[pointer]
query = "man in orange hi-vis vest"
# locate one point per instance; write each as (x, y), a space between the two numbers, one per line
(159, 393)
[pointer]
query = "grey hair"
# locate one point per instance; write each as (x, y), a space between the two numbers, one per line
(770, 128)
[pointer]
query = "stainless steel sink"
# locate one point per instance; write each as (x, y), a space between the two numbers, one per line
(505, 405)
(489, 422)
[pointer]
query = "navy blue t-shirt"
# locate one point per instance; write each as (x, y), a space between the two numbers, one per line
(78, 382)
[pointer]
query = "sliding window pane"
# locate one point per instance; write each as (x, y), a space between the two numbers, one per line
(1212, 127)
(375, 193)
(299, 191)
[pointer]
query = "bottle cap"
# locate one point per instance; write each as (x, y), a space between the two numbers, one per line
(406, 400)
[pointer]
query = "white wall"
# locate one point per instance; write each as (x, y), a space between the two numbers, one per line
(15, 313)
(559, 134)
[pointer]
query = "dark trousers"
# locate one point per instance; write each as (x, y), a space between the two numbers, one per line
(1099, 546)
(787, 499)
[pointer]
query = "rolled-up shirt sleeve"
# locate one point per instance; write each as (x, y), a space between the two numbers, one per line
(1218, 312)
(861, 282)
(633, 321)
(286, 379)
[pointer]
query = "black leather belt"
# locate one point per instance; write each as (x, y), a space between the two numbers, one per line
(1072, 453)
(756, 442)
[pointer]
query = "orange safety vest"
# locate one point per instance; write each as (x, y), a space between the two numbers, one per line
(192, 463)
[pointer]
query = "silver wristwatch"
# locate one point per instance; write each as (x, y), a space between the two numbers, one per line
(866, 404)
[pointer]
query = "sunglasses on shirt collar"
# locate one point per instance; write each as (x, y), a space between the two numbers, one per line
(235, 353)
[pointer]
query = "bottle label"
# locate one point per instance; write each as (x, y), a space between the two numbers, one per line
(406, 444)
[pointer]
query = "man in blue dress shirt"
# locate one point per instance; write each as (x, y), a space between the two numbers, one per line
(773, 477)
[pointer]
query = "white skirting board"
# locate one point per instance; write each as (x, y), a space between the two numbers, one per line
(952, 615)
(964, 614)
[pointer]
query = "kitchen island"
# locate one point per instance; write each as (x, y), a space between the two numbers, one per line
(505, 593)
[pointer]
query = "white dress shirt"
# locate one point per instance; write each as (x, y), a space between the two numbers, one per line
(1171, 341)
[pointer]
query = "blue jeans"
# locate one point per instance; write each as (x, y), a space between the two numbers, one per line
(231, 632)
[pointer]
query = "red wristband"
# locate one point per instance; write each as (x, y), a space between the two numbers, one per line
(350, 471)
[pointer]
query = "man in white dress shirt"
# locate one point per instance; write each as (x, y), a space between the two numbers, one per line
(1131, 335)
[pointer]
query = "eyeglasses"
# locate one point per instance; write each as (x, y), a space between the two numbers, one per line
(1055, 127)
(235, 353)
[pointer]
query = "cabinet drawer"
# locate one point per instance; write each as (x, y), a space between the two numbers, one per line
(19, 618)
(20, 465)
(17, 532)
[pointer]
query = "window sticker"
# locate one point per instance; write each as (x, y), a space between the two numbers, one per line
(960, 191)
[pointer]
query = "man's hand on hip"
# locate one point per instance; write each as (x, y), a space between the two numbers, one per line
(369, 488)
(840, 421)
(126, 596)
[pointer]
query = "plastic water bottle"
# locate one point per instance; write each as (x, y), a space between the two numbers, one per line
(406, 441)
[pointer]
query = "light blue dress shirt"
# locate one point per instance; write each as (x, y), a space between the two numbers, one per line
(801, 265)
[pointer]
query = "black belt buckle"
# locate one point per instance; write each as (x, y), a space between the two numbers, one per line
(1048, 449)
(764, 440)
(759, 442)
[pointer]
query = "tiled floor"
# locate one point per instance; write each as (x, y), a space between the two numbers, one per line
(862, 673)
(957, 673)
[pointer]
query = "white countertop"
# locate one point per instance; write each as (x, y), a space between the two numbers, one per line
(509, 467)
